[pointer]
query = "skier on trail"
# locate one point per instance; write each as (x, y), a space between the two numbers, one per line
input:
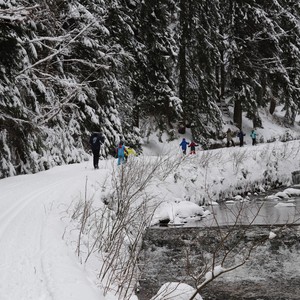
(129, 152)
(229, 138)
(121, 150)
(96, 140)
(193, 146)
(253, 135)
(183, 145)
(241, 135)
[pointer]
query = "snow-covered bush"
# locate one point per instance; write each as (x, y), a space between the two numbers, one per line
(113, 227)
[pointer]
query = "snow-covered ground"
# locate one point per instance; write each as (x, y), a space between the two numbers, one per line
(38, 245)
(36, 263)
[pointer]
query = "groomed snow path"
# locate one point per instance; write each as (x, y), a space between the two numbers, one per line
(35, 262)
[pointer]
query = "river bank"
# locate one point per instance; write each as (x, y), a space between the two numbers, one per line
(180, 254)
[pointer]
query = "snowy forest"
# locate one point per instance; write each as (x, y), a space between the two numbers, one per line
(132, 67)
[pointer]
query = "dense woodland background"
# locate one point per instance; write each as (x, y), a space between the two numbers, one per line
(133, 67)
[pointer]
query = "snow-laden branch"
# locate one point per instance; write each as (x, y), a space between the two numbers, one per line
(87, 63)
(218, 270)
(49, 39)
(16, 14)
(66, 101)
(57, 51)
(14, 119)
(52, 113)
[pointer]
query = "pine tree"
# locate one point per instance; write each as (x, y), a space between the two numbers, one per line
(198, 63)
(287, 16)
(69, 68)
(262, 42)
(63, 84)
(156, 50)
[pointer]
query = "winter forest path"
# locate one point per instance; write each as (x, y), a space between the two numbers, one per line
(35, 261)
(37, 248)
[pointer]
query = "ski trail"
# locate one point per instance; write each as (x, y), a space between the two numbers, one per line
(35, 263)
(15, 209)
(20, 236)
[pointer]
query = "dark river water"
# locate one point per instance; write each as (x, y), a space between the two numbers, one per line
(259, 210)
(272, 273)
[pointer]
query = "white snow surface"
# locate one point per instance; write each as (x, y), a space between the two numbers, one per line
(36, 262)
(176, 290)
(38, 251)
(216, 272)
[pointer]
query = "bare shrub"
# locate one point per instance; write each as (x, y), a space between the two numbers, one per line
(234, 245)
(114, 230)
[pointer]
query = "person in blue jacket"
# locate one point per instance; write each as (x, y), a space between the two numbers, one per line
(183, 145)
(253, 135)
(121, 150)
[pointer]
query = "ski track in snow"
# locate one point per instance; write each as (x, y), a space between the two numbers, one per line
(32, 266)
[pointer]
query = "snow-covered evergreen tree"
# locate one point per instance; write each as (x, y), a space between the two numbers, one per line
(72, 67)
(262, 43)
(202, 58)
(156, 53)
(60, 81)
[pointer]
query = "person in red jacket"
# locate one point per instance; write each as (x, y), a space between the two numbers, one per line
(193, 146)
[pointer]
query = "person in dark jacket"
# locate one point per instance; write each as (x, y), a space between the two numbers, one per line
(96, 140)
(183, 145)
(193, 146)
(241, 135)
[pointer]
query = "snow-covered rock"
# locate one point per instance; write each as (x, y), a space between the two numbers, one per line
(283, 195)
(175, 291)
(178, 213)
(285, 204)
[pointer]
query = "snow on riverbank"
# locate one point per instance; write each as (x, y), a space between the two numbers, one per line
(229, 173)
(38, 250)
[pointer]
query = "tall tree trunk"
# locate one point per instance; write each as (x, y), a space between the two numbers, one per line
(272, 105)
(136, 115)
(182, 56)
(256, 121)
(237, 113)
(222, 69)
(222, 79)
(217, 71)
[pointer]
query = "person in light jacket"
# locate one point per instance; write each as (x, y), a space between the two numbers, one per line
(253, 135)
(121, 150)
(229, 138)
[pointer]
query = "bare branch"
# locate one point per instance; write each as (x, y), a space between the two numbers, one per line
(16, 14)
(57, 51)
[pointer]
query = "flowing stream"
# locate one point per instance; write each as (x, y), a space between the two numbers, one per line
(258, 211)
(271, 273)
